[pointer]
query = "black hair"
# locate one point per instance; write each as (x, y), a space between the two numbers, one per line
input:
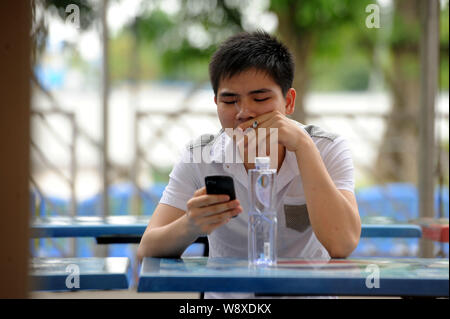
(257, 50)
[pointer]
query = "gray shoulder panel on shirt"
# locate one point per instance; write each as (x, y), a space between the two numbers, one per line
(315, 131)
(202, 140)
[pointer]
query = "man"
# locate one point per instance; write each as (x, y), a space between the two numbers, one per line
(251, 75)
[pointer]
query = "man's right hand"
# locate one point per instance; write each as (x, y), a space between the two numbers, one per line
(208, 212)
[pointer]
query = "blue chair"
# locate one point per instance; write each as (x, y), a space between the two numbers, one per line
(371, 202)
(120, 198)
(85, 247)
(90, 206)
(151, 198)
(403, 201)
(444, 198)
(396, 201)
(54, 206)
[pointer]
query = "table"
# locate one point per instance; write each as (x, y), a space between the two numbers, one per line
(129, 229)
(93, 273)
(397, 277)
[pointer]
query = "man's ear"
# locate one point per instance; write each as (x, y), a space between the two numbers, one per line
(290, 101)
(215, 99)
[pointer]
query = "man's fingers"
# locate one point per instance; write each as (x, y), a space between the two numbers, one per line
(200, 191)
(208, 223)
(218, 208)
(207, 200)
(219, 218)
(262, 118)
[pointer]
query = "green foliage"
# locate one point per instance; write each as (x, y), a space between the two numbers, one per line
(187, 62)
(341, 59)
(405, 32)
(341, 43)
(160, 175)
(169, 38)
(120, 47)
(321, 16)
(153, 27)
(343, 47)
(347, 73)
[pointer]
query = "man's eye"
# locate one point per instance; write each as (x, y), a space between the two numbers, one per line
(261, 100)
(231, 102)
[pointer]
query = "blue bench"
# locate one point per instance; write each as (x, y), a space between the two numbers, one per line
(57, 274)
(56, 210)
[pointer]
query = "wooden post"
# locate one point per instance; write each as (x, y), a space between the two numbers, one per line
(429, 60)
(105, 97)
(102, 250)
(136, 202)
(73, 179)
(15, 66)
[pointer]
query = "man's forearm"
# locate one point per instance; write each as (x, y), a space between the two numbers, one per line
(333, 218)
(166, 241)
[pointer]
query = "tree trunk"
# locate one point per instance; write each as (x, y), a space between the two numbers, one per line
(397, 157)
(300, 45)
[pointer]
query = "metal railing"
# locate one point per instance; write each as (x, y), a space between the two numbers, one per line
(70, 147)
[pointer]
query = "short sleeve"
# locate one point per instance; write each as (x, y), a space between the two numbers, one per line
(182, 183)
(337, 157)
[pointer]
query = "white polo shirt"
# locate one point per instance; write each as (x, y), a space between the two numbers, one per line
(295, 236)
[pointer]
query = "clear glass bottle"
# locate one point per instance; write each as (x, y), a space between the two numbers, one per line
(262, 219)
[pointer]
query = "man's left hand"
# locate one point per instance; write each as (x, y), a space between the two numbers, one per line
(289, 133)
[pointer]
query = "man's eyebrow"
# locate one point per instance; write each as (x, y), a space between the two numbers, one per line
(225, 94)
(260, 91)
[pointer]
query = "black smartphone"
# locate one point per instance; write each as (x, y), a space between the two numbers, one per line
(220, 185)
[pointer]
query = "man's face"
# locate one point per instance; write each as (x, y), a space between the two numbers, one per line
(247, 95)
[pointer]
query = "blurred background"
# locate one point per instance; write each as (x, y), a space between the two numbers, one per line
(120, 88)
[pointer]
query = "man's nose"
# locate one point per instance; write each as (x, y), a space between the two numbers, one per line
(244, 111)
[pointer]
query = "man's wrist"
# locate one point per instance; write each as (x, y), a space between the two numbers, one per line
(304, 144)
(187, 231)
